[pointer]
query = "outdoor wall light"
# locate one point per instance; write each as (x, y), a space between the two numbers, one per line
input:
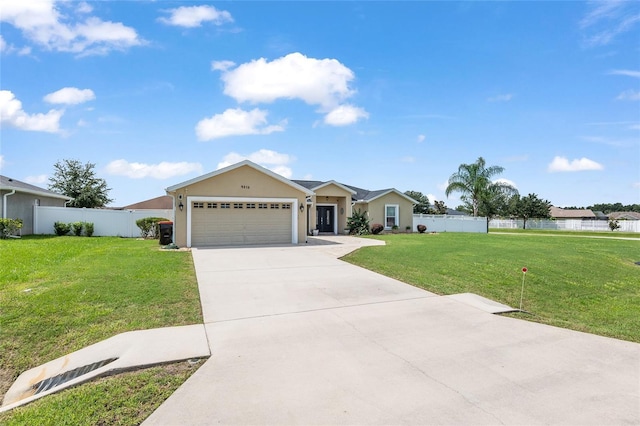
(181, 206)
(301, 208)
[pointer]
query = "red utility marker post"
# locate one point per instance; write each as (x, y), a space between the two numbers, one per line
(524, 273)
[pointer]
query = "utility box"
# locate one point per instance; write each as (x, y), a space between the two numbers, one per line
(166, 232)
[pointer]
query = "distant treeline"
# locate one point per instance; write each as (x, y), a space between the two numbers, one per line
(609, 208)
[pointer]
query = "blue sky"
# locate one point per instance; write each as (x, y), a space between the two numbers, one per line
(372, 94)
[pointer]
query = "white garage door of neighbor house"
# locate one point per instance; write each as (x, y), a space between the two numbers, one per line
(237, 223)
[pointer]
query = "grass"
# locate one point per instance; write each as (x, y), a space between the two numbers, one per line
(607, 234)
(60, 294)
(585, 284)
(126, 399)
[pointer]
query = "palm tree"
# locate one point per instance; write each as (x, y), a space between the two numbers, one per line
(474, 182)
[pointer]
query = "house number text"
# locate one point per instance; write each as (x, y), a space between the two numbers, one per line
(245, 187)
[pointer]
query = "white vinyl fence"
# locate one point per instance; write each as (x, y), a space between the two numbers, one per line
(446, 223)
(107, 223)
(566, 224)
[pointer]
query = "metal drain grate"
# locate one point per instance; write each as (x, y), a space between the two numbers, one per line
(54, 381)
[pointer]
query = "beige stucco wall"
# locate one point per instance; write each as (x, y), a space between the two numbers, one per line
(375, 210)
(332, 194)
(243, 182)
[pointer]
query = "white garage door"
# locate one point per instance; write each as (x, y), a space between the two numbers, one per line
(237, 223)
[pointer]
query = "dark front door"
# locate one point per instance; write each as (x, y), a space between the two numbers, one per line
(325, 218)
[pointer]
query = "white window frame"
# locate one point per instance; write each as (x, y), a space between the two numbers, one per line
(396, 216)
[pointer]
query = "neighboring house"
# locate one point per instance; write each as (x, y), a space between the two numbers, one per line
(600, 215)
(18, 198)
(248, 204)
(558, 213)
(624, 215)
(164, 202)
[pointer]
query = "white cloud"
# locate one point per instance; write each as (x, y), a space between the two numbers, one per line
(443, 186)
(194, 16)
(7, 48)
(163, 170)
(506, 181)
(562, 164)
(70, 96)
(36, 180)
(222, 65)
(432, 198)
(320, 82)
(12, 114)
(84, 7)
(236, 122)
(421, 138)
(501, 98)
(272, 160)
(628, 73)
(629, 95)
(44, 23)
(636, 184)
(344, 115)
(323, 82)
(2, 162)
(607, 20)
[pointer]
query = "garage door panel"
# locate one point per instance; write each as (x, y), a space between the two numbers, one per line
(236, 226)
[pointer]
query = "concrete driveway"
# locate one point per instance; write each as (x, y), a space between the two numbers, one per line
(300, 337)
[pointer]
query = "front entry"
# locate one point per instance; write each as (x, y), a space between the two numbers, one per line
(325, 218)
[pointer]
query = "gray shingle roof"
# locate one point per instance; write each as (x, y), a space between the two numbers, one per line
(360, 193)
(10, 184)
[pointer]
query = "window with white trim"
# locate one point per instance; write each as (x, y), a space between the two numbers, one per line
(212, 205)
(286, 206)
(275, 206)
(237, 205)
(251, 205)
(198, 205)
(391, 215)
(225, 205)
(262, 205)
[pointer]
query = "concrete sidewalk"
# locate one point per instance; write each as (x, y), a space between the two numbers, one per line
(299, 337)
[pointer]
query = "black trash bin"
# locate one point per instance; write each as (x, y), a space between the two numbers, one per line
(166, 232)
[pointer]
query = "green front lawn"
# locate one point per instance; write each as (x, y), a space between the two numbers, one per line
(60, 294)
(586, 284)
(607, 234)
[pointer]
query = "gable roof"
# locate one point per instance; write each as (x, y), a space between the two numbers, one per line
(163, 202)
(366, 196)
(314, 185)
(10, 184)
(236, 166)
(359, 195)
(625, 215)
(571, 213)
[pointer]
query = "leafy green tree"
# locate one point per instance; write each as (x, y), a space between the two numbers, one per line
(79, 181)
(615, 207)
(423, 205)
(439, 207)
(530, 207)
(495, 201)
(474, 182)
